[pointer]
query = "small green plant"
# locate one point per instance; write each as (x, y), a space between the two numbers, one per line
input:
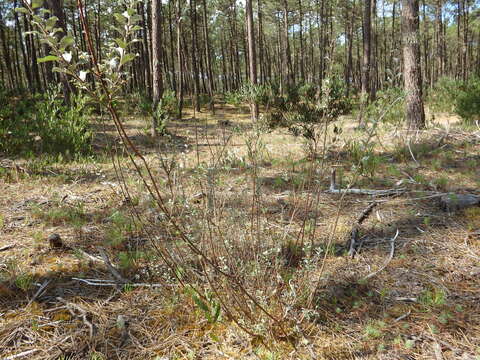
(24, 282)
(210, 307)
(166, 109)
(74, 215)
(375, 329)
(432, 298)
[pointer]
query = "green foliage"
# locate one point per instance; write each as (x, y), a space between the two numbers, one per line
(62, 214)
(363, 157)
(43, 124)
(24, 282)
(375, 329)
(432, 298)
(388, 107)
(453, 95)
(209, 306)
(442, 97)
(166, 109)
(468, 101)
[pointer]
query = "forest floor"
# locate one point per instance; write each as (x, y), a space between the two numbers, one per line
(420, 301)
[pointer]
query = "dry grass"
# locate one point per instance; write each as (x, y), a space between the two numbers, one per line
(424, 305)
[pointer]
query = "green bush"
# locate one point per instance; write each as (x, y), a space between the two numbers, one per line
(389, 107)
(166, 109)
(442, 98)
(43, 124)
(467, 104)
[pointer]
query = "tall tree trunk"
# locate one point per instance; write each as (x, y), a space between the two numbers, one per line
(156, 60)
(146, 51)
(252, 56)
(56, 7)
(211, 86)
(367, 49)
(288, 55)
(412, 74)
(179, 58)
(196, 83)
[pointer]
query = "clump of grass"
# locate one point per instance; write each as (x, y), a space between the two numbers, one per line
(472, 216)
(62, 214)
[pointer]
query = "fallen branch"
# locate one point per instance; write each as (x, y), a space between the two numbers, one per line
(388, 192)
(390, 257)
(354, 234)
(111, 283)
(7, 247)
(22, 354)
(90, 257)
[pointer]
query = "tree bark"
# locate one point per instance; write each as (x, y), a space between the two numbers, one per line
(156, 60)
(412, 74)
(252, 56)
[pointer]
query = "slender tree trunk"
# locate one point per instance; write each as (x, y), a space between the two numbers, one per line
(211, 86)
(367, 48)
(56, 7)
(156, 60)
(179, 58)
(196, 83)
(146, 51)
(412, 75)
(252, 56)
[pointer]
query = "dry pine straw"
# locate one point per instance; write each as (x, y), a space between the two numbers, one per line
(438, 259)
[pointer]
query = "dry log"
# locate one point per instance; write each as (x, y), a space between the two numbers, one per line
(453, 202)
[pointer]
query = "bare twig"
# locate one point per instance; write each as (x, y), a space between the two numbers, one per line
(111, 268)
(83, 314)
(40, 291)
(390, 257)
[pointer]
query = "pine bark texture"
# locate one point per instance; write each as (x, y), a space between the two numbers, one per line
(156, 59)
(412, 74)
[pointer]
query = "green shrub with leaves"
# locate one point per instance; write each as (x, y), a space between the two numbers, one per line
(166, 109)
(44, 124)
(388, 107)
(467, 104)
(442, 98)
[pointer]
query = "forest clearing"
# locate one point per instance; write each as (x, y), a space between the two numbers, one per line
(239, 180)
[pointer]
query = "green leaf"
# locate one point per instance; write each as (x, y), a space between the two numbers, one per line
(36, 4)
(120, 18)
(48, 58)
(120, 42)
(127, 58)
(216, 314)
(201, 304)
(67, 41)
(51, 21)
(22, 10)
